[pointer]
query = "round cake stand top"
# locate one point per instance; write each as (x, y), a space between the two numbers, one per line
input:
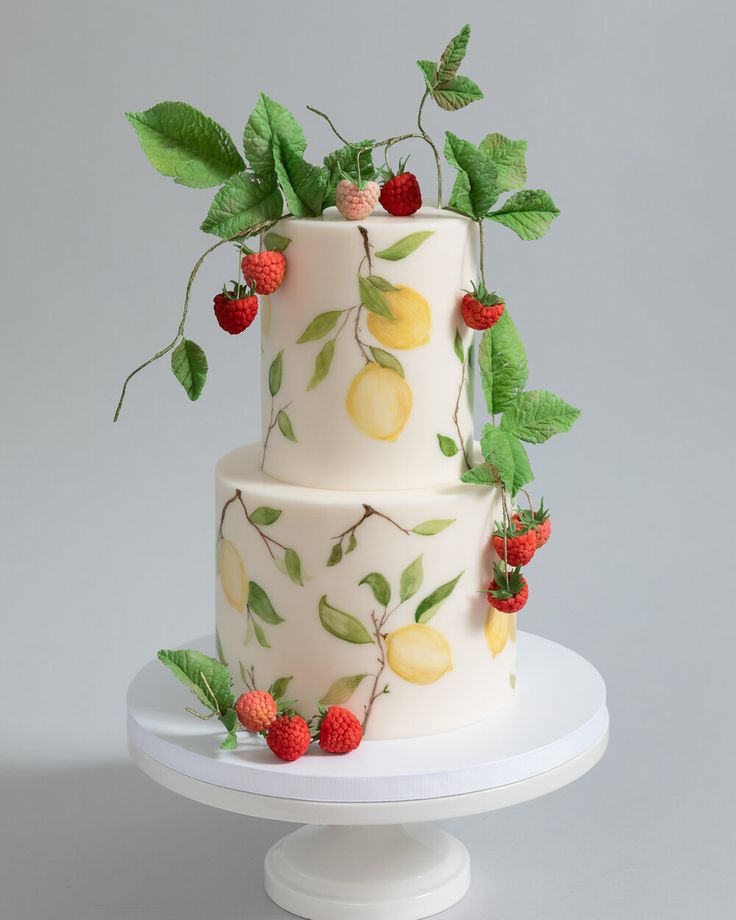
(555, 730)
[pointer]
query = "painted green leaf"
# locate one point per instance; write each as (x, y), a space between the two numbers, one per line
(386, 359)
(522, 468)
(448, 446)
(379, 586)
(411, 579)
(342, 625)
(502, 362)
(341, 690)
(303, 184)
(260, 635)
(352, 543)
(528, 213)
(373, 299)
(475, 190)
(481, 475)
(201, 674)
(496, 449)
(536, 415)
(335, 554)
(430, 528)
(346, 160)
(275, 373)
(275, 242)
(218, 646)
(285, 426)
(405, 246)
(320, 326)
(279, 687)
(180, 142)
(453, 54)
(456, 93)
(458, 347)
(512, 680)
(263, 515)
(249, 631)
(322, 363)
(230, 742)
(293, 566)
(260, 603)
(242, 202)
(432, 603)
(244, 676)
(382, 284)
(189, 364)
(270, 121)
(509, 157)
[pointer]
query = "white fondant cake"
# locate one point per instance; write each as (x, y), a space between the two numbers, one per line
(349, 554)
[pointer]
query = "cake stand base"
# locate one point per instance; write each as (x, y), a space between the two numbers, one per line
(368, 851)
(388, 872)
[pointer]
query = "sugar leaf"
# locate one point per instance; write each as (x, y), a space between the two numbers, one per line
(207, 678)
(189, 365)
(270, 122)
(480, 475)
(536, 415)
(494, 444)
(452, 56)
(475, 190)
(242, 202)
(303, 184)
(448, 445)
(509, 157)
(180, 142)
(456, 93)
(502, 363)
(528, 213)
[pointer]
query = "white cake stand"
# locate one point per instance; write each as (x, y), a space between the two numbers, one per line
(366, 852)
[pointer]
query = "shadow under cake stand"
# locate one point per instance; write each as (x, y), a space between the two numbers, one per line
(366, 851)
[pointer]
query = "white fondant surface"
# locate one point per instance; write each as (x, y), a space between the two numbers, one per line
(558, 716)
(476, 683)
(323, 262)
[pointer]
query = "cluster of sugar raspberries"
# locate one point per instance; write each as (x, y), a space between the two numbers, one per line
(263, 273)
(288, 735)
(515, 545)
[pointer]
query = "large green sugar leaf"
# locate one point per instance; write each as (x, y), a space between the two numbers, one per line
(509, 157)
(505, 452)
(536, 415)
(303, 184)
(207, 678)
(475, 190)
(189, 366)
(502, 363)
(528, 213)
(269, 122)
(452, 56)
(186, 145)
(242, 202)
(456, 93)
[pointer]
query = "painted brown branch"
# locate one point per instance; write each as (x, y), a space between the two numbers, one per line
(268, 541)
(361, 344)
(456, 419)
(367, 247)
(273, 420)
(369, 511)
(378, 625)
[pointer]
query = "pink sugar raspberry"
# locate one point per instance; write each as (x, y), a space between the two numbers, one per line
(256, 710)
(356, 203)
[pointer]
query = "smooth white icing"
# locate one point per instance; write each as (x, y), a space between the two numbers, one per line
(322, 268)
(301, 647)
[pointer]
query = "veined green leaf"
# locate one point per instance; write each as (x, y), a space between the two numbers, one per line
(206, 677)
(475, 190)
(452, 56)
(405, 246)
(322, 363)
(528, 213)
(430, 528)
(275, 373)
(496, 449)
(341, 690)
(180, 142)
(456, 93)
(379, 586)
(189, 365)
(502, 362)
(303, 184)
(536, 415)
(522, 468)
(260, 604)
(480, 475)
(411, 579)
(275, 242)
(509, 157)
(432, 603)
(342, 625)
(229, 742)
(270, 122)
(320, 326)
(241, 203)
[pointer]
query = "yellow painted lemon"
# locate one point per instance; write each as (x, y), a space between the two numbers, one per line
(498, 625)
(379, 402)
(411, 323)
(512, 626)
(233, 576)
(418, 653)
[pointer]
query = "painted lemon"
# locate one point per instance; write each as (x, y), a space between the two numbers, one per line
(418, 653)
(500, 628)
(233, 576)
(379, 402)
(411, 323)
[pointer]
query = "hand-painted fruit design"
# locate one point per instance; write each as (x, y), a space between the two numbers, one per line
(379, 402)
(500, 628)
(233, 575)
(418, 653)
(411, 323)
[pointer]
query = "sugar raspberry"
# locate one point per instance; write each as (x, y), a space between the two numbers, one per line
(340, 731)
(356, 203)
(256, 710)
(480, 309)
(516, 544)
(508, 591)
(264, 270)
(401, 195)
(288, 737)
(234, 313)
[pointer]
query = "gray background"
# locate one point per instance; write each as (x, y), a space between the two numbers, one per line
(106, 531)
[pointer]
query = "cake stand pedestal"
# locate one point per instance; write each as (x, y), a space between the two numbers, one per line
(366, 851)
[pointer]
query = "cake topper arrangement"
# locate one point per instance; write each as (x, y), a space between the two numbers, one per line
(270, 183)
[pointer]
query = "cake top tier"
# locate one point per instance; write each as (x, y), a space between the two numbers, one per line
(365, 352)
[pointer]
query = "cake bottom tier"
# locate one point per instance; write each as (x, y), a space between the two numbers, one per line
(372, 601)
